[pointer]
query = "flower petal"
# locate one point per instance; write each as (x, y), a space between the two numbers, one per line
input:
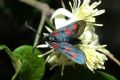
(95, 4)
(62, 11)
(59, 21)
(67, 22)
(98, 24)
(86, 37)
(45, 34)
(48, 29)
(42, 46)
(99, 12)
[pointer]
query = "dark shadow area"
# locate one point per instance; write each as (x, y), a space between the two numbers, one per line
(13, 32)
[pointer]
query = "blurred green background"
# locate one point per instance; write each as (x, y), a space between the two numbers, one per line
(14, 33)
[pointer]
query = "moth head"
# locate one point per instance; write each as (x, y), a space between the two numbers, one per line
(81, 27)
(52, 38)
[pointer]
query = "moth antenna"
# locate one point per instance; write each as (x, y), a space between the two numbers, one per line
(45, 34)
(26, 25)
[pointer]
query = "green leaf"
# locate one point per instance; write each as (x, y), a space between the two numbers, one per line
(32, 67)
(8, 51)
(81, 73)
(15, 61)
(104, 76)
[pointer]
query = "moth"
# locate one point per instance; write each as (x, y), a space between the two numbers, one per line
(61, 40)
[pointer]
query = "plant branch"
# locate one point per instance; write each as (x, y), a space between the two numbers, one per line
(38, 5)
(45, 10)
(38, 34)
(111, 56)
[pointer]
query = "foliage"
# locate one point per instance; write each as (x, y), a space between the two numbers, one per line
(26, 63)
(25, 60)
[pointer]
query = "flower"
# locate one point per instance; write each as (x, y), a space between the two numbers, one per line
(83, 11)
(94, 53)
(89, 39)
(54, 58)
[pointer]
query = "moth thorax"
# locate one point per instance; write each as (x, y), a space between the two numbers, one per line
(52, 39)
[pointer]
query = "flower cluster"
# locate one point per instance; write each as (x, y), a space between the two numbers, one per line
(90, 42)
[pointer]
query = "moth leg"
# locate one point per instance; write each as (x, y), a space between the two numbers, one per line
(54, 66)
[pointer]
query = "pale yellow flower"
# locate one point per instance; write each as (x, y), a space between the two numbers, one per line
(89, 39)
(95, 57)
(93, 50)
(80, 11)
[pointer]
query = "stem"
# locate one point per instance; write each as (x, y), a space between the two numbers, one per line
(38, 34)
(38, 5)
(111, 56)
(46, 11)
(63, 5)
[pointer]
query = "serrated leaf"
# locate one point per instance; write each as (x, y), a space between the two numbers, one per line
(32, 66)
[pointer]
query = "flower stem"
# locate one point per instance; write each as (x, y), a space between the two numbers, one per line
(38, 34)
(111, 56)
(45, 10)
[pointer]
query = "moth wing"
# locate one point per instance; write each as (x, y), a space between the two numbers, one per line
(71, 52)
(74, 29)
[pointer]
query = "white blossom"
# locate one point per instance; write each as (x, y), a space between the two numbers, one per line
(90, 41)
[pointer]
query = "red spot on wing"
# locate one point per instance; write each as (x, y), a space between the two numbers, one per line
(68, 31)
(55, 33)
(75, 27)
(67, 48)
(55, 45)
(74, 56)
